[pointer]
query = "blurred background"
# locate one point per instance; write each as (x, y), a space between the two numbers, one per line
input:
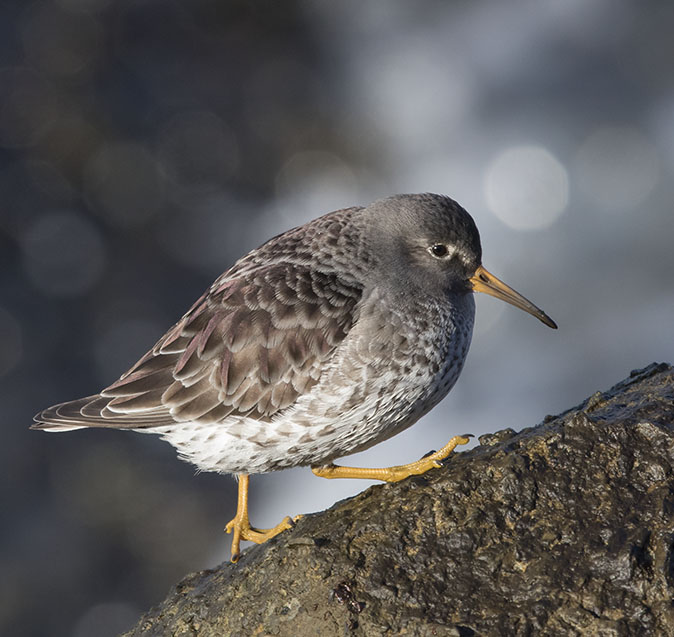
(144, 146)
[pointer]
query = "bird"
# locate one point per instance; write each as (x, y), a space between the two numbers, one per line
(326, 340)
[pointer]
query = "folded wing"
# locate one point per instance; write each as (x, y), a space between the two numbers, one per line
(249, 347)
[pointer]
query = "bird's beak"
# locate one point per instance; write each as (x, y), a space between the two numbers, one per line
(483, 281)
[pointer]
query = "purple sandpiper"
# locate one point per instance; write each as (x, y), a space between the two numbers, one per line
(324, 341)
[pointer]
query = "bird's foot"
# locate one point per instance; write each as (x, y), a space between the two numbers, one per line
(392, 474)
(240, 527)
(242, 530)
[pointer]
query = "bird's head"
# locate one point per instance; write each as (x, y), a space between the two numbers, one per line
(430, 242)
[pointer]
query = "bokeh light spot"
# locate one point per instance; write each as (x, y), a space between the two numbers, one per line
(59, 42)
(526, 187)
(27, 107)
(197, 149)
(208, 234)
(63, 253)
(123, 184)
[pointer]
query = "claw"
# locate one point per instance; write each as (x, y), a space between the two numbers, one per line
(240, 525)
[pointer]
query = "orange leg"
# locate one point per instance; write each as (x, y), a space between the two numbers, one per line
(392, 474)
(240, 526)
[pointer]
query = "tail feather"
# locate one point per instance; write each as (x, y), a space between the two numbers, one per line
(93, 411)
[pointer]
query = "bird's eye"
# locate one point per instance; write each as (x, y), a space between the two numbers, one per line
(439, 250)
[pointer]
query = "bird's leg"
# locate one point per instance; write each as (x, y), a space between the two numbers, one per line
(392, 474)
(240, 526)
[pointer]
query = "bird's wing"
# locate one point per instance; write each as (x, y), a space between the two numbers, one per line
(249, 347)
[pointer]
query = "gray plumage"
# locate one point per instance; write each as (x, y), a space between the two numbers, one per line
(327, 339)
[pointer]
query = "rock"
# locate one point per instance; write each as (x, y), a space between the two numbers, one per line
(566, 528)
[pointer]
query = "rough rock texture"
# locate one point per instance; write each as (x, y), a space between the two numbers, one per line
(566, 528)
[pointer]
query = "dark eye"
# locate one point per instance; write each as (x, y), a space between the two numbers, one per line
(439, 250)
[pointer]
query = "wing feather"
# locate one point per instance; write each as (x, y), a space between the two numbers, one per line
(250, 347)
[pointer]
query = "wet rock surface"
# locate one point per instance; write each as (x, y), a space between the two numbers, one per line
(566, 528)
